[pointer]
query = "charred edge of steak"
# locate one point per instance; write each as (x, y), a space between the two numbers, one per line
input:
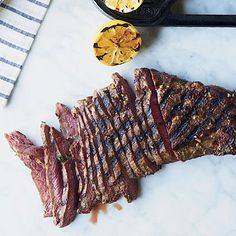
(144, 116)
(33, 158)
(53, 171)
(68, 124)
(143, 149)
(88, 151)
(108, 107)
(68, 207)
(119, 147)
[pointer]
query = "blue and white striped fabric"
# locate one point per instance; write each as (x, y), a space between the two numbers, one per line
(19, 23)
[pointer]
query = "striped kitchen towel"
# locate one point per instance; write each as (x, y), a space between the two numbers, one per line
(19, 23)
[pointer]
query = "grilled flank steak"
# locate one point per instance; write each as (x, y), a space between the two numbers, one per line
(111, 139)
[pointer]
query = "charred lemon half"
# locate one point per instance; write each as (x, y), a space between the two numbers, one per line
(123, 6)
(116, 43)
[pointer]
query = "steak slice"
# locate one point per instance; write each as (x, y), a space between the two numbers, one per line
(33, 157)
(124, 93)
(87, 197)
(68, 208)
(111, 134)
(122, 140)
(121, 184)
(200, 119)
(53, 171)
(107, 194)
(68, 124)
(214, 133)
(155, 119)
(111, 167)
(90, 195)
(144, 112)
(112, 192)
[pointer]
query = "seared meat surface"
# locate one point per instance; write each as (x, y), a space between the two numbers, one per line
(111, 139)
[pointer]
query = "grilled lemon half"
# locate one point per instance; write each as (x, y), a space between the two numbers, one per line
(116, 43)
(123, 6)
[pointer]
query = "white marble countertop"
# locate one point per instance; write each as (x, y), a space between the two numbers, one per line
(194, 198)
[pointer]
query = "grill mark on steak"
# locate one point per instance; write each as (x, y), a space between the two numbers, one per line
(138, 139)
(121, 149)
(215, 140)
(152, 83)
(178, 107)
(141, 148)
(165, 98)
(142, 75)
(195, 131)
(109, 105)
(114, 185)
(103, 97)
(94, 168)
(33, 157)
(211, 99)
(127, 140)
(96, 165)
(88, 197)
(67, 209)
(113, 153)
(144, 114)
(53, 171)
(187, 116)
(108, 194)
(106, 150)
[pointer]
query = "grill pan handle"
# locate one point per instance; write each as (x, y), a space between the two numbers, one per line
(186, 20)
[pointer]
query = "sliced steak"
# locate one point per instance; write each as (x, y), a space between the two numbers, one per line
(68, 124)
(121, 184)
(106, 149)
(192, 112)
(111, 133)
(87, 197)
(155, 119)
(69, 199)
(112, 193)
(143, 109)
(123, 93)
(90, 195)
(33, 157)
(121, 141)
(53, 171)
(108, 195)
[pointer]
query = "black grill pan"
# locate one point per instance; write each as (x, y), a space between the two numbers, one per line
(158, 13)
